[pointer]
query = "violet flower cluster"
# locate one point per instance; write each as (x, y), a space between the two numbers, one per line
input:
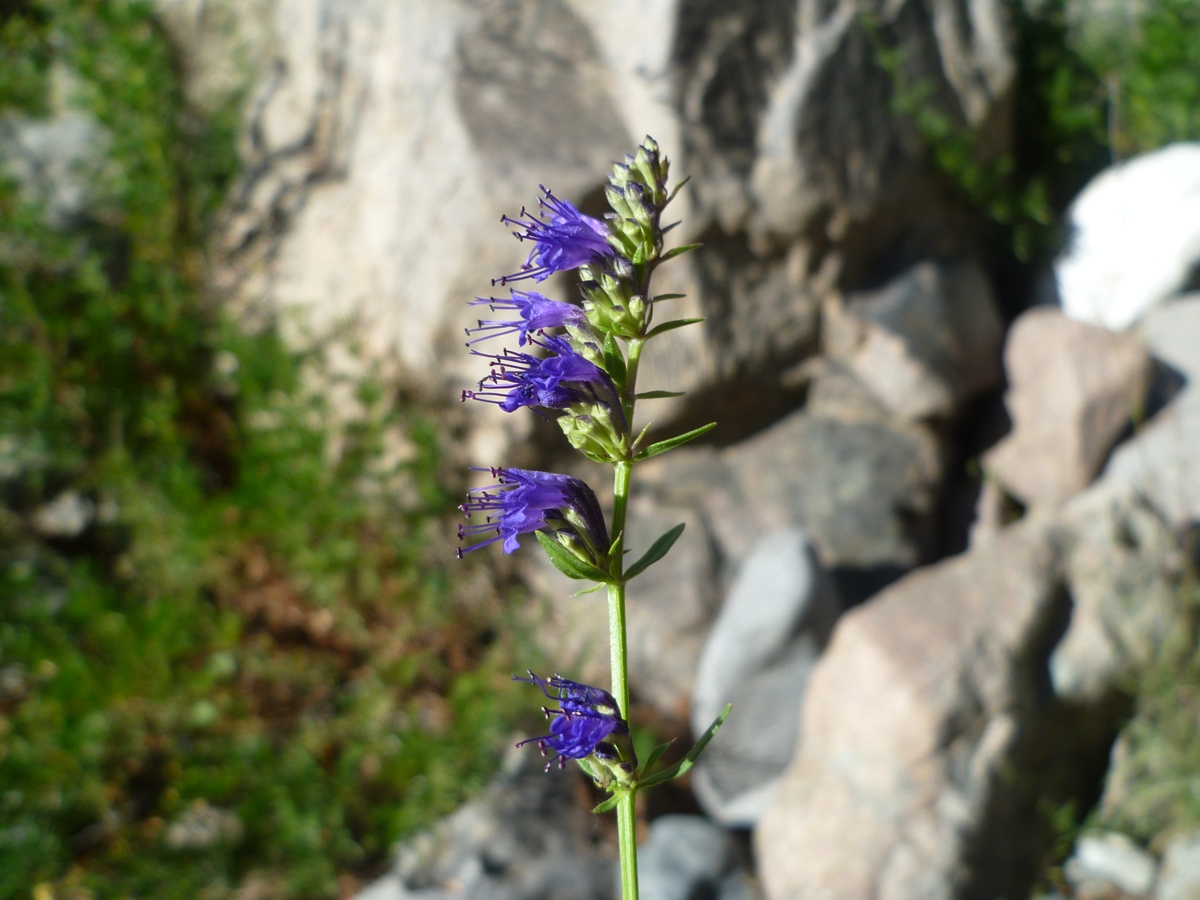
(577, 362)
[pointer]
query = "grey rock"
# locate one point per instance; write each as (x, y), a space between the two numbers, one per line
(739, 885)
(913, 778)
(61, 161)
(1161, 462)
(66, 516)
(684, 857)
(1179, 877)
(758, 656)
(862, 491)
(524, 838)
(1172, 335)
(736, 779)
(1073, 388)
(779, 590)
(923, 344)
(1110, 860)
(1123, 567)
(786, 107)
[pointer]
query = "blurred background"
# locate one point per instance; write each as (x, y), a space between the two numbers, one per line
(941, 549)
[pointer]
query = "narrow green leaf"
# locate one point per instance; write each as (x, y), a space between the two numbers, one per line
(611, 803)
(641, 434)
(677, 441)
(675, 191)
(568, 563)
(614, 361)
(657, 551)
(654, 755)
(667, 297)
(670, 326)
(658, 395)
(591, 590)
(688, 761)
(679, 251)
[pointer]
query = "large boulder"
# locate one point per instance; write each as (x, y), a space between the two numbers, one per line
(382, 142)
(930, 736)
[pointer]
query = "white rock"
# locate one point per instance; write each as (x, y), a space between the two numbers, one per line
(66, 516)
(1135, 238)
(1180, 875)
(1111, 858)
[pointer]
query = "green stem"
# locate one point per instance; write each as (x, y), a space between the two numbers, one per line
(619, 649)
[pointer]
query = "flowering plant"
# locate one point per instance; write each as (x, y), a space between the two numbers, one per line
(587, 369)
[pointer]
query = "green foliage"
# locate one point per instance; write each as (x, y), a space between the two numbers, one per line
(1059, 136)
(1080, 102)
(255, 638)
(1155, 77)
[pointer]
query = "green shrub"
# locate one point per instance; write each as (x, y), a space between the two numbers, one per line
(252, 666)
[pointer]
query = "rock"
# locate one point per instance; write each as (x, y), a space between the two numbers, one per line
(736, 779)
(1135, 238)
(684, 857)
(1073, 388)
(787, 109)
(1161, 462)
(1179, 877)
(758, 655)
(64, 517)
(203, 826)
(923, 344)
(738, 885)
(1172, 335)
(804, 178)
(1124, 567)
(381, 142)
(1110, 860)
(930, 738)
(524, 837)
(60, 161)
(862, 491)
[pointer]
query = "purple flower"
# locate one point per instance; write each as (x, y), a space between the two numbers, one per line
(556, 381)
(582, 725)
(522, 501)
(536, 312)
(567, 241)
